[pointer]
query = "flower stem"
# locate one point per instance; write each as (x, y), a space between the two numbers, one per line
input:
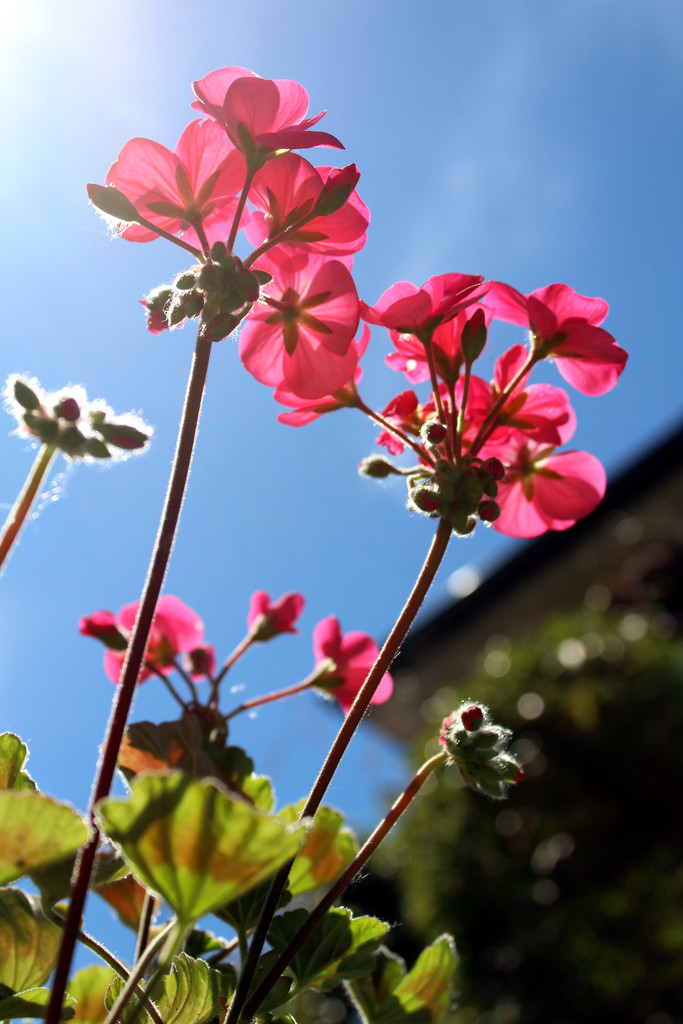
(396, 431)
(351, 722)
(22, 506)
(125, 691)
(489, 421)
(288, 691)
(344, 879)
(242, 646)
(135, 977)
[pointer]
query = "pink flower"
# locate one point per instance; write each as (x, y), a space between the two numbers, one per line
(304, 410)
(541, 413)
(195, 185)
(542, 491)
(300, 334)
(260, 113)
(351, 656)
(564, 325)
(410, 356)
(175, 629)
(289, 188)
(266, 619)
(411, 310)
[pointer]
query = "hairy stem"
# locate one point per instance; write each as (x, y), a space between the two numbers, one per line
(22, 506)
(125, 691)
(405, 620)
(344, 879)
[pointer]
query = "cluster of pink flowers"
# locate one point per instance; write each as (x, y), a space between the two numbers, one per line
(235, 170)
(176, 643)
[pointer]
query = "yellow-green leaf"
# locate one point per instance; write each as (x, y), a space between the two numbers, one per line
(13, 754)
(193, 843)
(32, 1003)
(36, 831)
(29, 943)
(328, 849)
(191, 993)
(88, 988)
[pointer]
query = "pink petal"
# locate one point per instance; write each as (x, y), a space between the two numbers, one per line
(507, 304)
(579, 490)
(565, 304)
(327, 639)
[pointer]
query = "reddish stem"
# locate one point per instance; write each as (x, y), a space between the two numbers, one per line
(363, 855)
(125, 691)
(351, 722)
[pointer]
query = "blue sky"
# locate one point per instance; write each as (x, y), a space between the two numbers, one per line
(529, 142)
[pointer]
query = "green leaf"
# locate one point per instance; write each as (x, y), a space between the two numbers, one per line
(31, 1003)
(259, 789)
(422, 995)
(13, 754)
(36, 831)
(29, 943)
(199, 943)
(243, 913)
(327, 851)
(280, 990)
(88, 988)
(191, 993)
(339, 948)
(192, 843)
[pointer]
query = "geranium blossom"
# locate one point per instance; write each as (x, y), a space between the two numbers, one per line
(176, 629)
(564, 324)
(305, 410)
(196, 184)
(266, 619)
(260, 113)
(351, 655)
(541, 412)
(300, 334)
(287, 189)
(410, 356)
(411, 310)
(543, 491)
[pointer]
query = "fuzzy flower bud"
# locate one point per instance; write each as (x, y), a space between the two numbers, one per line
(479, 750)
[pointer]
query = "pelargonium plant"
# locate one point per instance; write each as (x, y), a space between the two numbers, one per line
(198, 833)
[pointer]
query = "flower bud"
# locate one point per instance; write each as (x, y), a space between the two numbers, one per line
(424, 499)
(122, 435)
(200, 661)
(41, 426)
(488, 511)
(113, 203)
(212, 277)
(378, 467)
(25, 396)
(102, 626)
(218, 251)
(68, 409)
(185, 281)
(472, 718)
(433, 432)
(494, 468)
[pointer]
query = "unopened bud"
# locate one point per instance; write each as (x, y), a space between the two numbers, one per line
(488, 511)
(122, 435)
(425, 500)
(472, 718)
(68, 409)
(25, 396)
(218, 251)
(212, 277)
(200, 661)
(185, 281)
(494, 468)
(378, 467)
(433, 432)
